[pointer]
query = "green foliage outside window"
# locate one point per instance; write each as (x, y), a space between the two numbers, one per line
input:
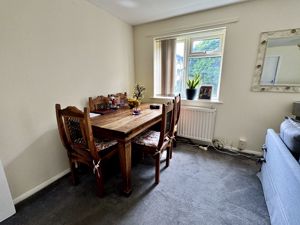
(208, 67)
(206, 45)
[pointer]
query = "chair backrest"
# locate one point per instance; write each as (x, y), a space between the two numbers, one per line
(167, 123)
(75, 130)
(98, 103)
(89, 135)
(177, 106)
(70, 123)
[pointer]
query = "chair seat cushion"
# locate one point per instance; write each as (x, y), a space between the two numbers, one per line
(104, 144)
(149, 138)
(100, 144)
(80, 141)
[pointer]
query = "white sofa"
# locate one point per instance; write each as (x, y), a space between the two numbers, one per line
(280, 178)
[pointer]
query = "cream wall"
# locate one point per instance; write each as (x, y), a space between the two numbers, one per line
(243, 113)
(53, 51)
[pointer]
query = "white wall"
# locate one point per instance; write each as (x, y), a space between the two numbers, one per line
(243, 113)
(53, 51)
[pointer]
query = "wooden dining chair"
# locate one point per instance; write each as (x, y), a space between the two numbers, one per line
(177, 106)
(154, 142)
(99, 103)
(82, 147)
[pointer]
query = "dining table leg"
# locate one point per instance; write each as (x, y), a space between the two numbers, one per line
(125, 162)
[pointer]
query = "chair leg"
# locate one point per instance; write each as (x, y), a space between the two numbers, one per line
(74, 176)
(99, 183)
(171, 148)
(174, 141)
(168, 156)
(157, 168)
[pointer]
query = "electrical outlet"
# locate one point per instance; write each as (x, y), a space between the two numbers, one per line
(242, 144)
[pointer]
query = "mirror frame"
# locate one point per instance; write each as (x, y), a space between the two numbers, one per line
(264, 37)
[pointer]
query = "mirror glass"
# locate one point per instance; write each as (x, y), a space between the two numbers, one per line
(278, 62)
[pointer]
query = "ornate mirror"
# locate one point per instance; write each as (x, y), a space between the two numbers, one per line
(278, 62)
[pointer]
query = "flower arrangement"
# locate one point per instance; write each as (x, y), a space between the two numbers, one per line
(138, 92)
(133, 103)
(138, 95)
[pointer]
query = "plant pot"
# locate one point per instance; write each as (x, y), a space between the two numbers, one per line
(191, 93)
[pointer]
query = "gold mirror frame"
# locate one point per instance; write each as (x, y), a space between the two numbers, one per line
(265, 36)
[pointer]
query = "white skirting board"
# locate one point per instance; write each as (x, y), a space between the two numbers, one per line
(7, 207)
(34, 190)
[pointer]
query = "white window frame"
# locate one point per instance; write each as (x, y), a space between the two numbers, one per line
(188, 39)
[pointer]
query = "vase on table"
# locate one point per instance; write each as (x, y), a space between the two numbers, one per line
(136, 109)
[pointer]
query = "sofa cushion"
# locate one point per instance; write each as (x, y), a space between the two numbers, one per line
(290, 135)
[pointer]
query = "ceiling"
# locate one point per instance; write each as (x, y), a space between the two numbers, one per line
(137, 12)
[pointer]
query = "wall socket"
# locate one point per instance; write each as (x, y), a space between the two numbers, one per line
(242, 144)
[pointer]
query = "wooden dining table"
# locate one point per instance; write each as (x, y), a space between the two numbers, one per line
(123, 126)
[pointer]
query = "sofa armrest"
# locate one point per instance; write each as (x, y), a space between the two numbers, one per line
(280, 178)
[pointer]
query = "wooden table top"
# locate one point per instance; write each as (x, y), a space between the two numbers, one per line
(123, 122)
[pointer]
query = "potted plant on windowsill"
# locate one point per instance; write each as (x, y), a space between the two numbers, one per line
(192, 84)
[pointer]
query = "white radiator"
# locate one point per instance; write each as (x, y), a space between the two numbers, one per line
(197, 123)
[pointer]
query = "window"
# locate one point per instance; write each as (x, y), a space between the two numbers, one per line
(181, 57)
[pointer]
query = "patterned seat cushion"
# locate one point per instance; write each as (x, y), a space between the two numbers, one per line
(100, 144)
(104, 144)
(80, 141)
(149, 138)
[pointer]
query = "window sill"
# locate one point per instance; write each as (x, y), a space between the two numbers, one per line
(197, 102)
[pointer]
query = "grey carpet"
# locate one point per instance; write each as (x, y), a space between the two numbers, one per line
(199, 187)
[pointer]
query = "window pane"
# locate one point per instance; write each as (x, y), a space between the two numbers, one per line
(209, 68)
(179, 79)
(206, 45)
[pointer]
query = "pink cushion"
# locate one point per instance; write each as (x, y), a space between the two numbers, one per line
(149, 138)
